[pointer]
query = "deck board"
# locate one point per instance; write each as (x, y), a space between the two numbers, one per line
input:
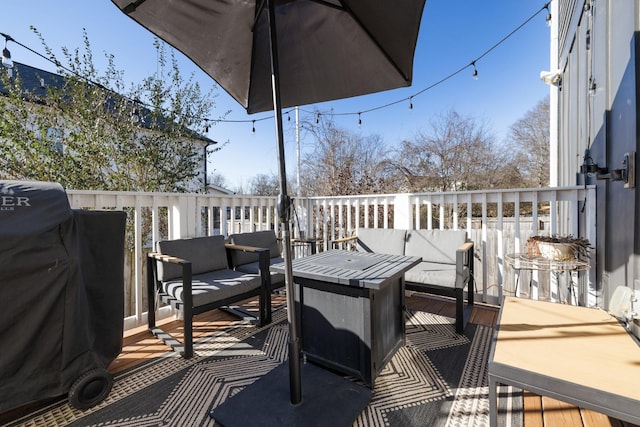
(557, 413)
(594, 419)
(533, 410)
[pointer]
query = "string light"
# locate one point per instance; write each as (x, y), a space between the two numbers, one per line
(206, 125)
(6, 54)
(253, 127)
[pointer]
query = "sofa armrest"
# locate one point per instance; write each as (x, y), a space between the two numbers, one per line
(263, 255)
(152, 275)
(244, 248)
(464, 258)
(311, 243)
(334, 244)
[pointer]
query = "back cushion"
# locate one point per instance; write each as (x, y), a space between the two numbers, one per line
(205, 253)
(381, 240)
(435, 245)
(259, 239)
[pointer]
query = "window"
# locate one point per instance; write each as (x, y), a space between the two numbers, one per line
(54, 135)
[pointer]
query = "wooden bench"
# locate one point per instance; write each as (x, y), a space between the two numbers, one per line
(578, 355)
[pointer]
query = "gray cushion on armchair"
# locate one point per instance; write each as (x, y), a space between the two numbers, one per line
(205, 253)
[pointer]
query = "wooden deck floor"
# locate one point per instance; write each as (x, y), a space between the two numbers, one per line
(139, 345)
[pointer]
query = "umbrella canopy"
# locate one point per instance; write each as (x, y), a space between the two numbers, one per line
(328, 49)
(273, 54)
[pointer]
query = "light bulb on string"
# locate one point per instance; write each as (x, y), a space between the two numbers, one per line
(7, 62)
(318, 118)
(253, 126)
(411, 103)
(548, 18)
(359, 119)
(206, 126)
(475, 71)
(592, 86)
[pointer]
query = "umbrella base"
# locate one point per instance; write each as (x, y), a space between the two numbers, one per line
(327, 400)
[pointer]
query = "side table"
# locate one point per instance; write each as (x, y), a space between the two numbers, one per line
(523, 261)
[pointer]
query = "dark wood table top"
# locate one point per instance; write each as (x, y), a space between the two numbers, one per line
(360, 269)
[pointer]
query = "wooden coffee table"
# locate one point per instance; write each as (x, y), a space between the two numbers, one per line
(582, 356)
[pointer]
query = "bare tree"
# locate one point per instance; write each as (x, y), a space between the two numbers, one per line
(456, 154)
(529, 136)
(265, 185)
(217, 179)
(343, 162)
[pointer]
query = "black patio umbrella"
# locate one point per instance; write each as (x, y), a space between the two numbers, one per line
(274, 54)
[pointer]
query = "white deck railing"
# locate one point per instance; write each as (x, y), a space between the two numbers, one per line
(498, 221)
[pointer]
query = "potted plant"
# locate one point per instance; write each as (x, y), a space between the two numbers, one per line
(558, 248)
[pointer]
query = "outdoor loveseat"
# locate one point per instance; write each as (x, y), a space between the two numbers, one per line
(194, 275)
(447, 261)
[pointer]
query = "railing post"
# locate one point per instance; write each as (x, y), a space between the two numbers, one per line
(500, 249)
(485, 273)
(138, 262)
(179, 217)
(590, 230)
(402, 217)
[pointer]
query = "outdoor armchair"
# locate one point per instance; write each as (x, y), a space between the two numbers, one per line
(193, 275)
(447, 261)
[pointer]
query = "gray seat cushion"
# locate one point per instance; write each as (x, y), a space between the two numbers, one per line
(214, 286)
(277, 279)
(437, 274)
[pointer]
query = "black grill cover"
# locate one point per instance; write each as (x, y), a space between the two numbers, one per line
(61, 291)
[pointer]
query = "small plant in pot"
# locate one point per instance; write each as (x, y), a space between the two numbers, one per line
(558, 248)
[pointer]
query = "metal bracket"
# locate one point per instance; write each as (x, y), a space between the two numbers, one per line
(627, 173)
(629, 164)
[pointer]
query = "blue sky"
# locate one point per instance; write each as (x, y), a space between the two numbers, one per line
(452, 34)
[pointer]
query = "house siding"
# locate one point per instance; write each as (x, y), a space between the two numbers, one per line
(597, 109)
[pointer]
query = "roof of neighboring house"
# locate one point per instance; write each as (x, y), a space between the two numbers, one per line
(217, 189)
(35, 82)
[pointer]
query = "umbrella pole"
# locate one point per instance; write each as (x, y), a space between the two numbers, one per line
(284, 212)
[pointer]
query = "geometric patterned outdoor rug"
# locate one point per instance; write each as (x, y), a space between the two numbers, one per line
(439, 378)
